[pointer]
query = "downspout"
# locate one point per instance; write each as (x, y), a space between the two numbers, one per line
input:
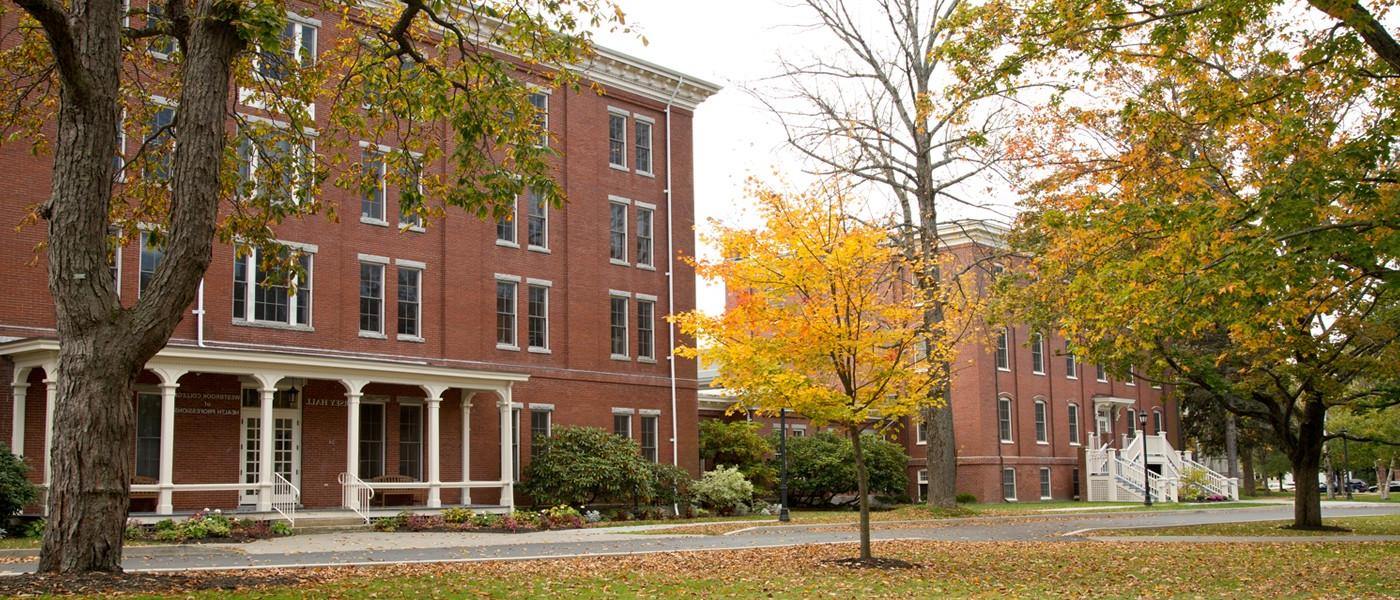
(671, 280)
(199, 312)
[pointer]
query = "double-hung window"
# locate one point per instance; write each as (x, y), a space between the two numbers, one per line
(540, 428)
(642, 146)
(296, 50)
(537, 319)
(537, 221)
(1073, 424)
(644, 236)
(1042, 431)
(1130, 378)
(505, 226)
(1158, 424)
(1003, 351)
(372, 298)
(371, 440)
(1045, 483)
(1008, 484)
(1132, 423)
(1004, 419)
(151, 255)
(505, 312)
(412, 184)
(411, 441)
(1071, 362)
(646, 328)
(617, 232)
(540, 101)
(650, 433)
(161, 46)
(372, 203)
(270, 167)
(617, 140)
(622, 424)
(1100, 374)
(617, 337)
(410, 303)
(160, 145)
(260, 295)
(1037, 353)
(148, 435)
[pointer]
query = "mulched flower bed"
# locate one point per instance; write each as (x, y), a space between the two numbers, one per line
(105, 584)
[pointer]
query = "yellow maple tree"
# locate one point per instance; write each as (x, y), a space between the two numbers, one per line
(824, 319)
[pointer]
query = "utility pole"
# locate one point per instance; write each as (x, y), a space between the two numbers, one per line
(783, 515)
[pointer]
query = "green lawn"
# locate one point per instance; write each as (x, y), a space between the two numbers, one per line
(1382, 525)
(940, 569)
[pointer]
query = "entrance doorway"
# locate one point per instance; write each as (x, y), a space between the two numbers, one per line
(286, 441)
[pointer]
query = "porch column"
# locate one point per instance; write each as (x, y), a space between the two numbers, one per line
(466, 445)
(434, 401)
(51, 399)
(352, 446)
(166, 504)
(265, 450)
(19, 393)
(507, 463)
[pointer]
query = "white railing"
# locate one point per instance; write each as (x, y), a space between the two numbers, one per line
(1129, 476)
(285, 497)
(357, 493)
(1215, 483)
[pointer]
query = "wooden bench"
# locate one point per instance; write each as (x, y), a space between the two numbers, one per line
(143, 502)
(383, 497)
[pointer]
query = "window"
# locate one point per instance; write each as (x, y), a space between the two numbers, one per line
(617, 230)
(1042, 431)
(537, 325)
(1073, 410)
(537, 223)
(372, 204)
(644, 236)
(539, 429)
(1100, 374)
(505, 225)
(646, 323)
(1130, 378)
(1008, 484)
(114, 264)
(922, 486)
(119, 159)
(622, 424)
(408, 216)
(371, 298)
(411, 441)
(1158, 424)
(1103, 420)
(271, 168)
(1045, 483)
(650, 431)
(150, 259)
(618, 328)
(161, 45)
(1074, 482)
(148, 435)
(159, 143)
(505, 314)
(1132, 423)
(276, 298)
(410, 301)
(1037, 353)
(371, 440)
(298, 49)
(540, 100)
(1003, 351)
(1004, 418)
(1071, 362)
(921, 432)
(643, 145)
(617, 140)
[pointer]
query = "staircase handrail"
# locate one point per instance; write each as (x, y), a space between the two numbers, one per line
(283, 488)
(361, 493)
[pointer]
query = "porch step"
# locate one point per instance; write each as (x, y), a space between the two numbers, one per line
(333, 522)
(315, 529)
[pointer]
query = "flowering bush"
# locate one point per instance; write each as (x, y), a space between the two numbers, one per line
(560, 517)
(206, 524)
(458, 515)
(724, 490)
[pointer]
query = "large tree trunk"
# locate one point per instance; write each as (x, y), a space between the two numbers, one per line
(1304, 456)
(102, 347)
(863, 489)
(1247, 466)
(1232, 453)
(941, 456)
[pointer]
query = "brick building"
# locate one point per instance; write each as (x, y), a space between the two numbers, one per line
(419, 363)
(1024, 408)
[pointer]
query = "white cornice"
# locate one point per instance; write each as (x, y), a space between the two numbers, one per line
(615, 69)
(973, 231)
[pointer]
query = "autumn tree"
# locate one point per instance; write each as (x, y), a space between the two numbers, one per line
(1221, 169)
(243, 117)
(827, 323)
(903, 100)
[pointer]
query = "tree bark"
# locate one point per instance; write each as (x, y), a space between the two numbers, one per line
(941, 456)
(1304, 456)
(102, 346)
(1247, 466)
(863, 489)
(1232, 452)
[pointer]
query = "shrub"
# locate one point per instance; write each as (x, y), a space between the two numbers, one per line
(524, 519)
(16, 491)
(1193, 485)
(673, 485)
(485, 520)
(822, 466)
(35, 528)
(724, 490)
(739, 444)
(587, 465)
(965, 498)
(423, 522)
(457, 515)
(560, 517)
(385, 524)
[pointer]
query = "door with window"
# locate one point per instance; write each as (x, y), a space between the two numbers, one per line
(286, 441)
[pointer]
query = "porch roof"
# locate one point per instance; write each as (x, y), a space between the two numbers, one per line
(1114, 400)
(173, 361)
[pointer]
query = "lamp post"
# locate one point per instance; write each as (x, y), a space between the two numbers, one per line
(783, 515)
(1346, 466)
(1146, 474)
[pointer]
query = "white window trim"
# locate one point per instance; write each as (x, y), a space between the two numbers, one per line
(292, 299)
(1045, 413)
(418, 304)
(623, 411)
(547, 93)
(507, 277)
(532, 247)
(1039, 344)
(652, 208)
(618, 112)
(383, 263)
(370, 258)
(412, 264)
(920, 439)
(1010, 420)
(649, 412)
(626, 326)
(652, 299)
(1002, 482)
(514, 225)
(1005, 335)
(651, 142)
(1097, 371)
(1045, 477)
(515, 299)
(626, 230)
(249, 96)
(1074, 425)
(548, 291)
(1075, 373)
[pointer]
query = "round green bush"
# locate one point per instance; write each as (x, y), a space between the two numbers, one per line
(586, 465)
(16, 491)
(724, 490)
(823, 466)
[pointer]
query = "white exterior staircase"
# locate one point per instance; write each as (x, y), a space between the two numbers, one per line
(1118, 475)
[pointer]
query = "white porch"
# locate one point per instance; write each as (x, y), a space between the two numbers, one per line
(273, 454)
(1118, 475)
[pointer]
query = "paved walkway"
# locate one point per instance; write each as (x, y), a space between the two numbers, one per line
(356, 548)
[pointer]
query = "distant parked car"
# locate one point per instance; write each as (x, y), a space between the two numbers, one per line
(1394, 487)
(1356, 485)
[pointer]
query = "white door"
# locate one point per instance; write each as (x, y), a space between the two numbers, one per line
(286, 450)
